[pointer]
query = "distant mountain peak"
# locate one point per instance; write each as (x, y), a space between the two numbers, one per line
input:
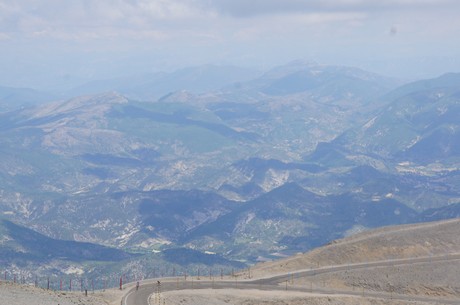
(336, 82)
(181, 96)
(303, 63)
(102, 101)
(196, 79)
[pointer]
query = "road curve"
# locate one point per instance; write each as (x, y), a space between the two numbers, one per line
(142, 295)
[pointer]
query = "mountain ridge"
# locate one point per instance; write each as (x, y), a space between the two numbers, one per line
(216, 171)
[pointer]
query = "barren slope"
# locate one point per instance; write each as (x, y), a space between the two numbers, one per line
(431, 280)
(255, 297)
(408, 241)
(435, 276)
(27, 295)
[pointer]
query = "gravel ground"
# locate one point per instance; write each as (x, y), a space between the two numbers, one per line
(15, 294)
(409, 241)
(256, 297)
(439, 279)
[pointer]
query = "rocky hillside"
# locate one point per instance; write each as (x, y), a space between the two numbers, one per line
(286, 161)
(25, 295)
(395, 242)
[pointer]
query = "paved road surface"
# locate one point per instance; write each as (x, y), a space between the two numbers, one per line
(141, 296)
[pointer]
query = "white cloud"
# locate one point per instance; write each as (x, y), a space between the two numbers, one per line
(4, 36)
(245, 8)
(76, 17)
(190, 32)
(159, 19)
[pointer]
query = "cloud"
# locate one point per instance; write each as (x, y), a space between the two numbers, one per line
(56, 16)
(244, 8)
(393, 30)
(4, 36)
(195, 31)
(158, 19)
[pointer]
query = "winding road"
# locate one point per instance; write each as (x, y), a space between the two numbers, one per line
(280, 282)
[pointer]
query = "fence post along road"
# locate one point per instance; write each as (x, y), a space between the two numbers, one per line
(151, 292)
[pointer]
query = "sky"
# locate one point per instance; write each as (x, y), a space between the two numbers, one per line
(51, 44)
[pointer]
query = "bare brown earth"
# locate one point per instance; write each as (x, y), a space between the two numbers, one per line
(256, 297)
(436, 280)
(439, 280)
(16, 294)
(408, 241)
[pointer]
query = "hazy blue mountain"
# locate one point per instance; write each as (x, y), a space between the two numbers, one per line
(435, 146)
(329, 154)
(20, 245)
(175, 212)
(237, 166)
(420, 125)
(185, 256)
(258, 167)
(413, 142)
(44, 257)
(290, 219)
(111, 85)
(447, 212)
(336, 82)
(335, 85)
(16, 98)
(446, 81)
(153, 86)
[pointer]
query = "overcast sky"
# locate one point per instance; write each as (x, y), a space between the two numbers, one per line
(45, 43)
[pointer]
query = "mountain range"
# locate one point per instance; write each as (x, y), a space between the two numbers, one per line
(272, 164)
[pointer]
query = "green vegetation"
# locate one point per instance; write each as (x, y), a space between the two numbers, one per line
(273, 166)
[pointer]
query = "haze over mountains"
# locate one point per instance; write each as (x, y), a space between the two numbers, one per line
(251, 166)
(153, 86)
